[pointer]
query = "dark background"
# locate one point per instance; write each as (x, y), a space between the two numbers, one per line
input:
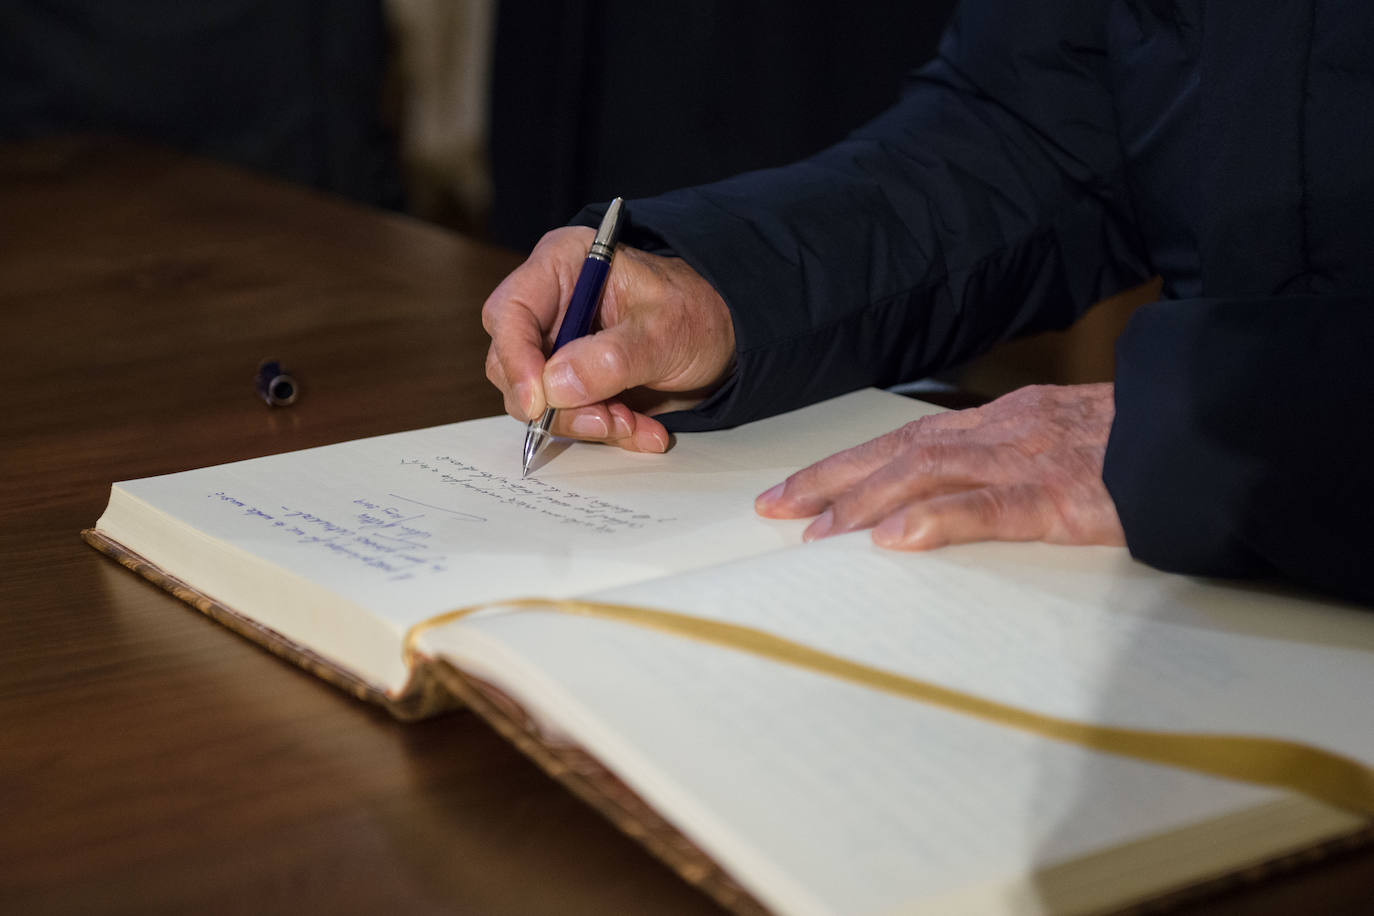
(587, 100)
(289, 87)
(630, 98)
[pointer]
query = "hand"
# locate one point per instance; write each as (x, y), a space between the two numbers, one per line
(665, 341)
(1025, 467)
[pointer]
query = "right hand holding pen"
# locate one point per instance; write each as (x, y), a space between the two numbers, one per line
(664, 341)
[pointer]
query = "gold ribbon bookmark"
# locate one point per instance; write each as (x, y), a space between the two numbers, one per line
(1317, 773)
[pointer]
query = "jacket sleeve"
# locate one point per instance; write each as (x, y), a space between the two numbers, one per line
(988, 202)
(1241, 445)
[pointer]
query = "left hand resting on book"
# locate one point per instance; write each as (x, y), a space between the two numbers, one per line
(1025, 467)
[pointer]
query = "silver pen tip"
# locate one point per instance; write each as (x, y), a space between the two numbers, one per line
(533, 438)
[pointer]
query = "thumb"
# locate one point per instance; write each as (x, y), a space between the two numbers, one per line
(602, 365)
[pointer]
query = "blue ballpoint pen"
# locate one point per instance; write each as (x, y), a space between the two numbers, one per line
(577, 320)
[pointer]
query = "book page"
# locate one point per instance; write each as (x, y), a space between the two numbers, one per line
(826, 797)
(405, 526)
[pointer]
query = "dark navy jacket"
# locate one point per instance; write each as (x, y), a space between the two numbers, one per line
(1059, 151)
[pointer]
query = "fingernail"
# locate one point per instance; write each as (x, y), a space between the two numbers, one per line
(620, 424)
(820, 527)
(890, 532)
(589, 426)
(770, 496)
(651, 440)
(564, 386)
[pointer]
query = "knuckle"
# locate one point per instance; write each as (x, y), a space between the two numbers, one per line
(930, 459)
(912, 433)
(852, 510)
(1021, 399)
(493, 367)
(489, 310)
(1016, 512)
(613, 359)
(511, 407)
(990, 505)
(801, 488)
(494, 312)
(797, 484)
(566, 245)
(498, 305)
(1043, 398)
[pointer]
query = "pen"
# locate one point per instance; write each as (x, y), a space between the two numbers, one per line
(577, 320)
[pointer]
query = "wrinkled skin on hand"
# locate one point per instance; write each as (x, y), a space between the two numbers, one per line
(662, 341)
(1027, 466)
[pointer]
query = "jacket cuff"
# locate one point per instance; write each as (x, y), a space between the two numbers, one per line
(1177, 489)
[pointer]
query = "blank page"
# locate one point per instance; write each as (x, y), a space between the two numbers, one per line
(825, 797)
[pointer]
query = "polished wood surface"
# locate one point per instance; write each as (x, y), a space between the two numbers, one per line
(151, 761)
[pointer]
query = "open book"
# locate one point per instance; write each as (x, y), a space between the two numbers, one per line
(770, 782)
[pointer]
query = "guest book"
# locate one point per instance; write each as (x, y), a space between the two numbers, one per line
(795, 728)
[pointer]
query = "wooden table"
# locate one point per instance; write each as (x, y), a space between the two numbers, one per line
(151, 761)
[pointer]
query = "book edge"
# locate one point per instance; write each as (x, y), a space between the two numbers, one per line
(1288, 862)
(1115, 880)
(435, 686)
(595, 784)
(1088, 884)
(421, 697)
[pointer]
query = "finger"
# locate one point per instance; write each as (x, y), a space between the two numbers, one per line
(604, 364)
(518, 355)
(497, 376)
(591, 423)
(1019, 512)
(812, 489)
(644, 433)
(912, 476)
(510, 398)
(614, 424)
